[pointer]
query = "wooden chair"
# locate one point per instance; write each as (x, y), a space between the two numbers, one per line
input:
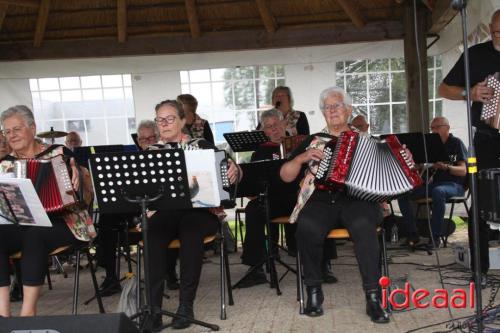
(340, 233)
(77, 250)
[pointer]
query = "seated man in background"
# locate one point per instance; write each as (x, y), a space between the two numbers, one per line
(447, 181)
(281, 204)
(73, 140)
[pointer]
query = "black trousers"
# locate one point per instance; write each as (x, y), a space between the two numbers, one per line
(35, 243)
(254, 245)
(325, 211)
(190, 227)
(487, 147)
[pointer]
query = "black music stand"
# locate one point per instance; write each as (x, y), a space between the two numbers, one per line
(436, 151)
(259, 179)
(245, 141)
(154, 179)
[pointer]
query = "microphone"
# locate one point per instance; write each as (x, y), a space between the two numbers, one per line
(277, 105)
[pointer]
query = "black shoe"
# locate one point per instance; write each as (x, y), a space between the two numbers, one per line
(374, 308)
(412, 240)
(185, 310)
(110, 287)
(328, 276)
(484, 280)
(255, 278)
(433, 245)
(315, 298)
(157, 323)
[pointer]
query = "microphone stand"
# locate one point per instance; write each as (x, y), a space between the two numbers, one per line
(460, 5)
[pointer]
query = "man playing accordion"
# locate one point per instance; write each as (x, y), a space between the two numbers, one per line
(318, 211)
(36, 243)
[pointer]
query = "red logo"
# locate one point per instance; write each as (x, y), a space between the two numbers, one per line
(422, 298)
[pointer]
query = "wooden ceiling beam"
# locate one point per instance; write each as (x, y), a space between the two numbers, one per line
(3, 12)
(208, 42)
(442, 14)
(21, 3)
(192, 14)
(266, 16)
(353, 12)
(121, 20)
(41, 22)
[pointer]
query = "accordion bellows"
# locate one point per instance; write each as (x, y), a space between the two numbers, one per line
(51, 180)
(366, 168)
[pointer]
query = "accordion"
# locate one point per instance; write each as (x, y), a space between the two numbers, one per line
(490, 113)
(367, 169)
(51, 180)
(290, 143)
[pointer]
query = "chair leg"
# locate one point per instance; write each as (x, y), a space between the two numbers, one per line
(236, 224)
(300, 284)
(138, 277)
(49, 280)
(222, 279)
(448, 226)
(76, 284)
(94, 282)
(241, 230)
(228, 276)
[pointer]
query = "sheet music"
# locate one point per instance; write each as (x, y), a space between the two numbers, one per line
(206, 190)
(24, 202)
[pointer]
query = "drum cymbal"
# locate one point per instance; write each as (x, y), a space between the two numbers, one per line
(51, 134)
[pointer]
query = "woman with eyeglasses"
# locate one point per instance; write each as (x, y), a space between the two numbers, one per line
(35, 243)
(319, 211)
(190, 226)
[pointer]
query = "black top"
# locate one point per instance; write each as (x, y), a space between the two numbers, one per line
(457, 152)
(207, 132)
(484, 60)
(282, 196)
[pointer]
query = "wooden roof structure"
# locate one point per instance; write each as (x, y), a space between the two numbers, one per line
(51, 29)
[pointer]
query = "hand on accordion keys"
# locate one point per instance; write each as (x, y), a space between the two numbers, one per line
(234, 172)
(75, 174)
(481, 92)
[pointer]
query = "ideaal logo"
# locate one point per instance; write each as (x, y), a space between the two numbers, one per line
(422, 298)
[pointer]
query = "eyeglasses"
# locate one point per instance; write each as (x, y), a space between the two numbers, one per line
(147, 139)
(333, 107)
(437, 126)
(167, 120)
(14, 131)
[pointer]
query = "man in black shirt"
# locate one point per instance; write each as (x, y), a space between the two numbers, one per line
(484, 60)
(448, 181)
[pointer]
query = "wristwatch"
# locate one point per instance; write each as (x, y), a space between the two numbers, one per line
(464, 94)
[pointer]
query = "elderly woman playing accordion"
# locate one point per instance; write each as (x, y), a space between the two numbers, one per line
(36, 243)
(190, 226)
(318, 211)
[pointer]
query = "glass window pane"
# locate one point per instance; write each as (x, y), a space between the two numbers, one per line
(92, 109)
(243, 72)
(222, 127)
(115, 108)
(378, 65)
(132, 127)
(113, 93)
(439, 108)
(222, 94)
(356, 87)
(91, 81)
(339, 67)
(280, 82)
(71, 95)
(92, 94)
(202, 75)
(360, 110)
(379, 88)
(217, 74)
(430, 83)
(48, 84)
(96, 132)
(117, 130)
(51, 110)
(430, 62)
(203, 93)
(439, 79)
(184, 76)
(379, 119)
(438, 61)
(355, 66)
(70, 82)
(280, 71)
(112, 81)
(399, 118)
(245, 120)
(127, 80)
(398, 64)
(76, 125)
(185, 88)
(128, 93)
(431, 109)
(265, 72)
(244, 97)
(265, 92)
(398, 84)
(33, 84)
(50, 96)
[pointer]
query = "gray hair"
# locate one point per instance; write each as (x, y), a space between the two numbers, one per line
(333, 91)
(148, 124)
(269, 114)
(18, 110)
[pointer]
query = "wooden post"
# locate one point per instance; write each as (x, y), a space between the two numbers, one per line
(414, 94)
